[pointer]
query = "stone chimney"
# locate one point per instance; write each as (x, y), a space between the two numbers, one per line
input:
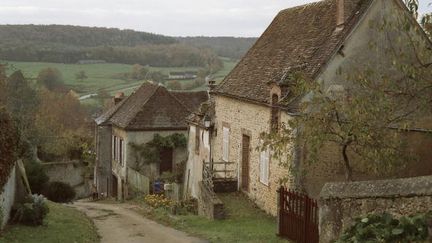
(340, 14)
(118, 97)
(212, 85)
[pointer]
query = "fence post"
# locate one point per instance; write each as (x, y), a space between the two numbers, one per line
(279, 209)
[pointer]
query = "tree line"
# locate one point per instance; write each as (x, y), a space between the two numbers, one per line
(71, 44)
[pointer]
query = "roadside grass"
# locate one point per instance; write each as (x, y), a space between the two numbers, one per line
(244, 223)
(63, 224)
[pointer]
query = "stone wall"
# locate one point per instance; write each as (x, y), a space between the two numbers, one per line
(341, 203)
(7, 198)
(73, 173)
(138, 182)
(249, 119)
(209, 205)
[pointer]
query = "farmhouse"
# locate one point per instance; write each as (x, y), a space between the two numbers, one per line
(326, 41)
(122, 132)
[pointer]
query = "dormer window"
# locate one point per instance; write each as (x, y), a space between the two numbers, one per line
(275, 113)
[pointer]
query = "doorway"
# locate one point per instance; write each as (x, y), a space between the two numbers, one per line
(245, 163)
(166, 160)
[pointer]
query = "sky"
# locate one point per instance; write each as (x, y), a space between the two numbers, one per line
(246, 18)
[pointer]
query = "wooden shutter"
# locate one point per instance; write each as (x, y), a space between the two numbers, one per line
(264, 166)
(226, 133)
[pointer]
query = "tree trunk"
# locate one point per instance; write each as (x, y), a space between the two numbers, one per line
(348, 169)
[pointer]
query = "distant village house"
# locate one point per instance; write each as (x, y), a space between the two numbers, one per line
(133, 122)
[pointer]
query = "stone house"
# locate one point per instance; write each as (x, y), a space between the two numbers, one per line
(134, 121)
(326, 41)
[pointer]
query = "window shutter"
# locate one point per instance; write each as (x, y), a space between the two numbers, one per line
(112, 147)
(264, 166)
(226, 133)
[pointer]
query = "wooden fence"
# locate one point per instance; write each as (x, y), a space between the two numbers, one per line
(298, 217)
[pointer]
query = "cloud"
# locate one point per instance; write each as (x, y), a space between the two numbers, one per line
(173, 17)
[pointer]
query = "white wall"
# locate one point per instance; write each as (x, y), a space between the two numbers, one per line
(7, 197)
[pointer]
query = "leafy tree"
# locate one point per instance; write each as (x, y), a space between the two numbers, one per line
(50, 78)
(61, 124)
(139, 72)
(81, 76)
(365, 116)
(156, 76)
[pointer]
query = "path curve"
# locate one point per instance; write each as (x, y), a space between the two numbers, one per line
(118, 223)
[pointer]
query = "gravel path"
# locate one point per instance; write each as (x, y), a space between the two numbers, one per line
(118, 223)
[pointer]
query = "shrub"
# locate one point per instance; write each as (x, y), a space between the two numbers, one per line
(385, 228)
(31, 212)
(59, 192)
(36, 176)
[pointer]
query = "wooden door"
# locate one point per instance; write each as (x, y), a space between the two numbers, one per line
(114, 186)
(166, 161)
(245, 163)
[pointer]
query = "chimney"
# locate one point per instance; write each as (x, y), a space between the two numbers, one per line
(118, 97)
(211, 85)
(340, 14)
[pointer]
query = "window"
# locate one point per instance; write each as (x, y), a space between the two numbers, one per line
(114, 147)
(264, 166)
(225, 145)
(274, 113)
(121, 151)
(197, 140)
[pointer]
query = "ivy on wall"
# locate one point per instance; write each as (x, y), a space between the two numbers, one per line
(149, 153)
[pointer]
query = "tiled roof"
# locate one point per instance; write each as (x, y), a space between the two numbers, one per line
(153, 107)
(192, 100)
(300, 39)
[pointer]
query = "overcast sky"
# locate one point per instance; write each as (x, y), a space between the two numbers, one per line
(173, 17)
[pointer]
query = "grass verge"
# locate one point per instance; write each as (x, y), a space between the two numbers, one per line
(244, 223)
(63, 224)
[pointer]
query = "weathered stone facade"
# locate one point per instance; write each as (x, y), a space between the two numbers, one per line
(196, 157)
(341, 203)
(151, 171)
(103, 171)
(244, 118)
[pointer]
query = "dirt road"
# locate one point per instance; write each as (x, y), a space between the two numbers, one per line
(118, 223)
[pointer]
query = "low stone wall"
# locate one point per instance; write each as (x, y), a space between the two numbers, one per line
(138, 182)
(7, 198)
(209, 205)
(341, 203)
(73, 173)
(174, 191)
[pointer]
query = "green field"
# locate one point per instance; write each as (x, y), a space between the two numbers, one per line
(101, 76)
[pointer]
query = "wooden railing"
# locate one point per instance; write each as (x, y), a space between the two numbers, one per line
(222, 170)
(207, 176)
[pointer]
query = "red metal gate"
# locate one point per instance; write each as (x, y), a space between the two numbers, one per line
(298, 217)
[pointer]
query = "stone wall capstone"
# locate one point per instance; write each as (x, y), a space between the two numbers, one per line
(341, 203)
